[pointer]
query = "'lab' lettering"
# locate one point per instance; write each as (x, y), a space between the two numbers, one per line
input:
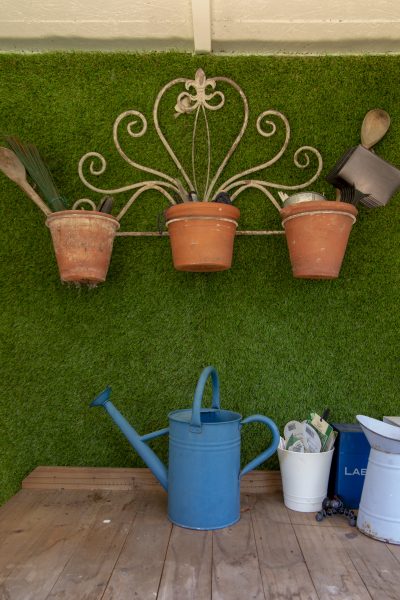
(355, 472)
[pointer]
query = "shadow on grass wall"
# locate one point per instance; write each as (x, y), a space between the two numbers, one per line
(282, 346)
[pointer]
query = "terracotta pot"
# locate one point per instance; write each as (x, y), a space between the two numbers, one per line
(83, 242)
(317, 234)
(202, 235)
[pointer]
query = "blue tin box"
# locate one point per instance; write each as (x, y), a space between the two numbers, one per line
(349, 463)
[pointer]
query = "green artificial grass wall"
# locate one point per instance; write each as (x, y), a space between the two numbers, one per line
(282, 346)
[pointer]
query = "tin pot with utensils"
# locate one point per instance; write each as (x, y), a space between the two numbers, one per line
(302, 197)
(360, 174)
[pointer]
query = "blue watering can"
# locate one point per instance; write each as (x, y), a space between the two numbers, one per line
(203, 477)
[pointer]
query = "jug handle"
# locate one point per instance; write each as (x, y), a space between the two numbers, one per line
(270, 450)
(195, 423)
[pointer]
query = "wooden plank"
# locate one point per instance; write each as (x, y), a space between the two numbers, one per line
(107, 478)
(40, 563)
(139, 567)
(395, 550)
(235, 567)
(89, 478)
(187, 568)
(56, 545)
(84, 486)
(18, 508)
(82, 472)
(283, 568)
(330, 568)
(261, 482)
(300, 518)
(16, 543)
(87, 572)
(374, 562)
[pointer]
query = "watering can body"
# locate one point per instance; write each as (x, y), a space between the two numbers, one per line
(203, 476)
(203, 471)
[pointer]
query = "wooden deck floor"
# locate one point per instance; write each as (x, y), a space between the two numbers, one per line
(90, 542)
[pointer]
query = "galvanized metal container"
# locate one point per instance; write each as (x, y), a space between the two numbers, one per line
(379, 513)
(303, 197)
(204, 461)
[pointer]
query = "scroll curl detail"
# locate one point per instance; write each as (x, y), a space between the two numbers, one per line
(199, 96)
(138, 134)
(260, 128)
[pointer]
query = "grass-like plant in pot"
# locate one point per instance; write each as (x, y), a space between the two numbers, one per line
(82, 239)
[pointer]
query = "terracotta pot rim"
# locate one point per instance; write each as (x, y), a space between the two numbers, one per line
(299, 215)
(202, 218)
(319, 206)
(91, 214)
(317, 234)
(206, 209)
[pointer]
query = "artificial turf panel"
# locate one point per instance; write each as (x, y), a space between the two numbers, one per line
(282, 346)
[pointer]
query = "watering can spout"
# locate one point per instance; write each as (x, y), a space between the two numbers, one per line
(136, 441)
(102, 398)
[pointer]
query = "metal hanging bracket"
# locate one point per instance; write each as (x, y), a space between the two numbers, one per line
(199, 96)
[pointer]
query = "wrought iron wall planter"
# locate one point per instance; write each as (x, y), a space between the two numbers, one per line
(198, 97)
(83, 239)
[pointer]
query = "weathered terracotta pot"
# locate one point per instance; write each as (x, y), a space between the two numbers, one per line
(317, 233)
(83, 242)
(202, 235)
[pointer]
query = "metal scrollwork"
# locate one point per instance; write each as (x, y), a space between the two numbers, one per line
(188, 103)
(200, 95)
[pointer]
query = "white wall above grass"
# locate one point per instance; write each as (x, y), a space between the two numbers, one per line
(306, 25)
(95, 24)
(265, 26)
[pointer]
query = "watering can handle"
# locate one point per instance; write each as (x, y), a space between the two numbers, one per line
(270, 450)
(198, 395)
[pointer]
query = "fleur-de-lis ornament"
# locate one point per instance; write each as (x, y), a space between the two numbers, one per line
(188, 103)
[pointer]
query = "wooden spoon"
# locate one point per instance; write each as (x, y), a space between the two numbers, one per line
(15, 170)
(374, 126)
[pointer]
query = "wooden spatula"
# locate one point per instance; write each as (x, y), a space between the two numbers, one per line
(374, 126)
